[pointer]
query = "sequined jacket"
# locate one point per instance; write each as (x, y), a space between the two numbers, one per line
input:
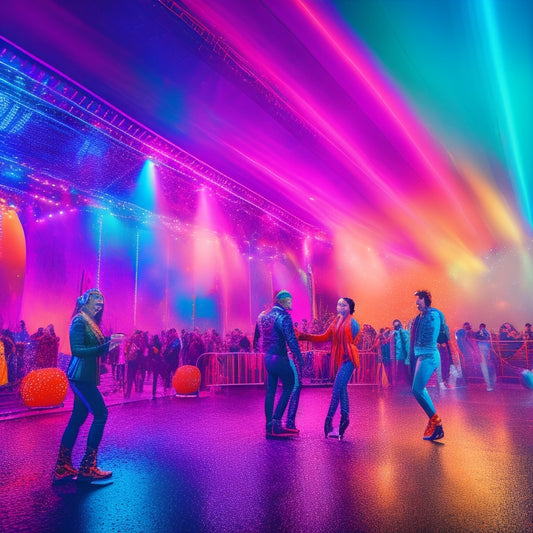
(277, 331)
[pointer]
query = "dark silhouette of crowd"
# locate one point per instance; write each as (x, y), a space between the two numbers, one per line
(159, 355)
(23, 352)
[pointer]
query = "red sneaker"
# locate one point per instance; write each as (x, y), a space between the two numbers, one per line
(433, 423)
(279, 432)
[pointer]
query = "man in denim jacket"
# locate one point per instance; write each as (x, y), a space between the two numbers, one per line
(425, 353)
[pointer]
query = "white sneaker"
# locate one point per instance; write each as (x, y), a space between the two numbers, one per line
(442, 385)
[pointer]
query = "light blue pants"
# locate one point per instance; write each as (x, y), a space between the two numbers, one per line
(484, 352)
(423, 371)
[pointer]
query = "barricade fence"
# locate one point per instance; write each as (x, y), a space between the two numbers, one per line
(248, 368)
(507, 358)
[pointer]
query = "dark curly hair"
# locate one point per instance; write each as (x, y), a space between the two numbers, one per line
(426, 295)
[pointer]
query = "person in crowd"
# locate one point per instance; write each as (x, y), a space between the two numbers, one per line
(276, 332)
(424, 333)
(22, 339)
(37, 335)
(10, 354)
(257, 342)
(144, 366)
(400, 352)
(527, 335)
(184, 346)
(344, 335)
(50, 346)
(3, 365)
(466, 343)
(383, 349)
(367, 338)
(158, 365)
(192, 347)
(446, 371)
(22, 334)
(245, 345)
(120, 375)
(46, 347)
(112, 358)
(133, 353)
(508, 332)
(484, 345)
(503, 334)
(87, 344)
(171, 354)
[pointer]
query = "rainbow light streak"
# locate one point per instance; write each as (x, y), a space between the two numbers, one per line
(387, 99)
(493, 38)
(443, 175)
(419, 223)
(498, 215)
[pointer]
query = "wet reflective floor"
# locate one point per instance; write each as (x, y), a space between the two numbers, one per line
(203, 464)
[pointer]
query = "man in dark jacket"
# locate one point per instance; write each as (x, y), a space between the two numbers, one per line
(277, 331)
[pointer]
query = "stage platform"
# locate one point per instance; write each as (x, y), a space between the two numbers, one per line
(202, 464)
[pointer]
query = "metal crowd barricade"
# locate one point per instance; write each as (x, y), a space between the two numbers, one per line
(512, 357)
(247, 368)
(367, 373)
(508, 358)
(231, 368)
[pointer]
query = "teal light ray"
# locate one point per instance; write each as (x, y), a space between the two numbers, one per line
(516, 163)
(145, 192)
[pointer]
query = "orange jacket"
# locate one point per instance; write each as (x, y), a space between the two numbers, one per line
(343, 334)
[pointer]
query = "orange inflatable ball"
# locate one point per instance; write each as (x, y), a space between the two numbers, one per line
(46, 387)
(187, 379)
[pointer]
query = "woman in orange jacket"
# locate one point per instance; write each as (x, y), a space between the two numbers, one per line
(343, 333)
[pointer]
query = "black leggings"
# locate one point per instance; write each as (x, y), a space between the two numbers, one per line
(87, 398)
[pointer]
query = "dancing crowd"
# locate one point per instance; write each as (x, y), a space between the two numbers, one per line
(408, 355)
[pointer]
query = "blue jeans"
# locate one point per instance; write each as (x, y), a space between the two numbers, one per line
(423, 371)
(340, 390)
(278, 367)
(295, 396)
(87, 398)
